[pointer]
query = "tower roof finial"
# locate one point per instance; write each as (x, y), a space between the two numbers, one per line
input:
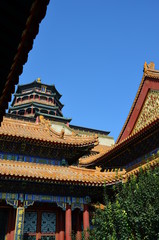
(39, 80)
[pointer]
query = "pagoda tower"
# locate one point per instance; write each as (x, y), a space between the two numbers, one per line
(36, 98)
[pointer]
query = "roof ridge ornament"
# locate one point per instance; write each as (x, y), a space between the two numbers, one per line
(62, 133)
(150, 66)
(44, 122)
(145, 67)
(47, 125)
(74, 134)
(38, 80)
(98, 169)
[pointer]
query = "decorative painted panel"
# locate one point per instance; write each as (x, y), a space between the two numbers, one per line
(48, 223)
(29, 199)
(23, 158)
(149, 111)
(145, 157)
(30, 222)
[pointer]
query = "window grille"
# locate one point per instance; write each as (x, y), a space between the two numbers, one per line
(30, 222)
(48, 224)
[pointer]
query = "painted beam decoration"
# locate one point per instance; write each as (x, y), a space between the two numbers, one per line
(24, 158)
(142, 158)
(29, 199)
(61, 201)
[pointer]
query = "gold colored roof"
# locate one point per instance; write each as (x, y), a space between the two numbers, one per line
(42, 132)
(96, 153)
(58, 174)
(103, 152)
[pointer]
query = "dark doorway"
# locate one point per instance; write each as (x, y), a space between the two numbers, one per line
(3, 223)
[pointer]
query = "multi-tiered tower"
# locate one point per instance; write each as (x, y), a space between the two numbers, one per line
(36, 98)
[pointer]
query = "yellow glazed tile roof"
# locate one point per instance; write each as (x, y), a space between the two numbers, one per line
(96, 153)
(58, 174)
(42, 132)
(104, 152)
(10, 169)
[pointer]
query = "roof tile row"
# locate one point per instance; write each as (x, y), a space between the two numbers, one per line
(58, 173)
(42, 131)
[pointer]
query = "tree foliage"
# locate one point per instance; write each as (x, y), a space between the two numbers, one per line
(133, 213)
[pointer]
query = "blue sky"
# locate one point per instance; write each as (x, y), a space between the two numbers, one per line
(94, 52)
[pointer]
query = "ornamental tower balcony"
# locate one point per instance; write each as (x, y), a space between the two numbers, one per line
(36, 98)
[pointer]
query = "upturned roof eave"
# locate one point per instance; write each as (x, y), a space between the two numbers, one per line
(34, 91)
(123, 144)
(75, 175)
(47, 143)
(34, 83)
(32, 103)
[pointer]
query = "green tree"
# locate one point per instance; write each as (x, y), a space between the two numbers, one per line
(134, 211)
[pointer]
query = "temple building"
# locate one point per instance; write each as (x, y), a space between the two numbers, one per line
(52, 173)
(37, 99)
(44, 193)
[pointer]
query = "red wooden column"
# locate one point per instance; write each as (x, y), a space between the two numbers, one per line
(86, 219)
(57, 223)
(11, 224)
(68, 222)
(78, 225)
(61, 224)
(38, 226)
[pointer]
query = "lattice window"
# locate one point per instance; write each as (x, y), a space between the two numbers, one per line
(48, 238)
(48, 223)
(29, 237)
(30, 222)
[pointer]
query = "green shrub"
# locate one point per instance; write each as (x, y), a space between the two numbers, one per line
(134, 211)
